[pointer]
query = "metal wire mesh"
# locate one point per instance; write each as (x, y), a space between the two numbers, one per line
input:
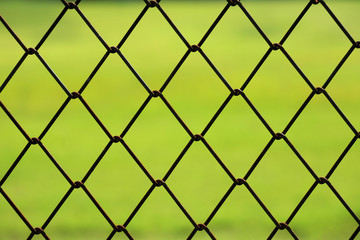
(234, 94)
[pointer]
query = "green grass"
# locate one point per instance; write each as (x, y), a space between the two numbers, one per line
(238, 137)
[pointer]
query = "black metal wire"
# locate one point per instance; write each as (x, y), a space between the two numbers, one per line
(235, 182)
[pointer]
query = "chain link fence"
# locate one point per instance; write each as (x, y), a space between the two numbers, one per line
(234, 94)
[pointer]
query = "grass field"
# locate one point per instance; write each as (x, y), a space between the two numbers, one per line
(277, 91)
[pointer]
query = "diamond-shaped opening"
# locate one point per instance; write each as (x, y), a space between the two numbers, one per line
(79, 219)
(39, 237)
(201, 235)
(323, 217)
(317, 48)
(194, 18)
(11, 53)
(235, 46)
(11, 145)
(32, 96)
(13, 227)
(112, 19)
(72, 50)
(160, 218)
(199, 182)
(277, 91)
(121, 236)
(30, 20)
(75, 140)
(274, 17)
(283, 235)
(241, 217)
(35, 186)
(320, 135)
(344, 88)
(347, 13)
(196, 95)
(157, 138)
(115, 94)
(238, 136)
(346, 177)
(280, 180)
(118, 183)
(154, 49)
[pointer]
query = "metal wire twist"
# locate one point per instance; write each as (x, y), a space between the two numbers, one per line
(234, 94)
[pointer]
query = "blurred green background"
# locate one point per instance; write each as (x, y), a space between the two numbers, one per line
(235, 47)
